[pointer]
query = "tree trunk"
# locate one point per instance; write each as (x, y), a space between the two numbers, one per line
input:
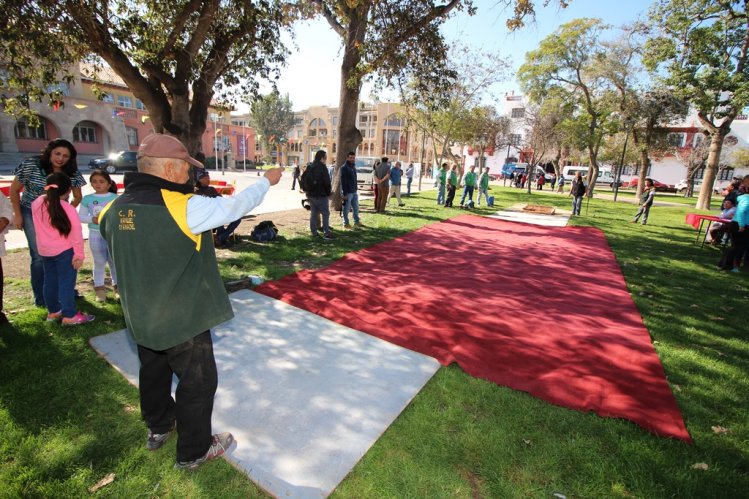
(711, 169)
(592, 176)
(349, 136)
(644, 164)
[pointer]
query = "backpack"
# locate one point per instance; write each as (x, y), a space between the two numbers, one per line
(264, 231)
(305, 181)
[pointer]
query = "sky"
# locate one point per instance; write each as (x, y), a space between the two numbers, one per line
(312, 76)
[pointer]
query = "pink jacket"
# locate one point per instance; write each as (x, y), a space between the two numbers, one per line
(49, 242)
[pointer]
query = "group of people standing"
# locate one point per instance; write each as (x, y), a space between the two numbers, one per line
(157, 234)
(447, 183)
(39, 196)
(387, 180)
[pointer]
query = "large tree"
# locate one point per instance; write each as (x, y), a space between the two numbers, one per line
(272, 117)
(388, 39)
(444, 113)
(703, 46)
(567, 65)
(176, 56)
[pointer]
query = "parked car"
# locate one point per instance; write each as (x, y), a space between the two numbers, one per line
(117, 162)
(365, 173)
(659, 186)
(682, 186)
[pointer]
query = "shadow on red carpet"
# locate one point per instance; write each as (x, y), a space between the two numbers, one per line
(539, 309)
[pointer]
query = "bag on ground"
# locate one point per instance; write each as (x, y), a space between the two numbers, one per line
(264, 231)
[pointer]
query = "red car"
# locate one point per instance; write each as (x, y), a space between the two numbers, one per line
(659, 186)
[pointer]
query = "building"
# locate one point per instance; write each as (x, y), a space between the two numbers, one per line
(384, 133)
(119, 122)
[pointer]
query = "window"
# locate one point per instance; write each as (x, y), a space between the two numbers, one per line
(25, 131)
(515, 139)
(109, 98)
(299, 134)
(393, 120)
(334, 147)
(363, 119)
(59, 87)
(676, 139)
(725, 174)
(699, 174)
(298, 121)
(132, 136)
(699, 138)
(139, 105)
(334, 120)
(85, 131)
(124, 101)
(518, 112)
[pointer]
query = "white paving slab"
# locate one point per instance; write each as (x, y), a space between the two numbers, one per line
(304, 397)
(531, 218)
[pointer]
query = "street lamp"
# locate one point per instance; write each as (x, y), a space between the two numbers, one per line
(628, 125)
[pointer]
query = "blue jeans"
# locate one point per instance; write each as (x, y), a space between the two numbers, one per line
(352, 203)
(408, 186)
(59, 283)
(318, 206)
(467, 190)
(441, 193)
(37, 267)
(486, 196)
(223, 233)
(577, 203)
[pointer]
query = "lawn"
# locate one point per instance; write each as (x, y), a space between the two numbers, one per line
(67, 419)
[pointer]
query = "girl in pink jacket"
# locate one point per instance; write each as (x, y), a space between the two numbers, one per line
(59, 239)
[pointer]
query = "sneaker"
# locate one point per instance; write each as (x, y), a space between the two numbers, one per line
(54, 316)
(157, 440)
(402, 204)
(328, 236)
(347, 226)
(221, 442)
(78, 318)
(101, 293)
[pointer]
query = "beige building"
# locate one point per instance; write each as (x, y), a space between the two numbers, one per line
(384, 133)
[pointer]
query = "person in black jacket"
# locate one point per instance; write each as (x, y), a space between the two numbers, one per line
(348, 187)
(316, 183)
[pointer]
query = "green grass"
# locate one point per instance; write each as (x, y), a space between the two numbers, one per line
(67, 419)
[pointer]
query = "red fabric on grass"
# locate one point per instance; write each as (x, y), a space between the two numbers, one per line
(459, 291)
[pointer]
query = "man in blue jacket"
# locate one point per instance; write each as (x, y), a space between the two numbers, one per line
(349, 186)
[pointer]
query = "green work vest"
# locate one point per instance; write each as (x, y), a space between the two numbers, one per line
(168, 278)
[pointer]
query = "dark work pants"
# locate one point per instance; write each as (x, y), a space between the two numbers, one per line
(195, 367)
(450, 195)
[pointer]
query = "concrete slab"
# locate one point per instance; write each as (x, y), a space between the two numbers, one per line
(304, 397)
(531, 218)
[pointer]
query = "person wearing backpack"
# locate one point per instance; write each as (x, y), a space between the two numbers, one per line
(316, 183)
(577, 191)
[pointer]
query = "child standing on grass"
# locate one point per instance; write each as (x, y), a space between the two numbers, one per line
(60, 243)
(105, 191)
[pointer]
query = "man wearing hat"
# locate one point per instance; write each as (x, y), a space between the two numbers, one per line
(204, 188)
(159, 236)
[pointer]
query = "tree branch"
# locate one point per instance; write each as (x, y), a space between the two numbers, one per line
(330, 17)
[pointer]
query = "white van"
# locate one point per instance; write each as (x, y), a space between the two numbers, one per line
(604, 174)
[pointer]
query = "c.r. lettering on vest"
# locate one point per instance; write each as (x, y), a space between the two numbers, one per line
(127, 219)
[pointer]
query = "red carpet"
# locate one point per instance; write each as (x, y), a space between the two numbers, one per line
(539, 309)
